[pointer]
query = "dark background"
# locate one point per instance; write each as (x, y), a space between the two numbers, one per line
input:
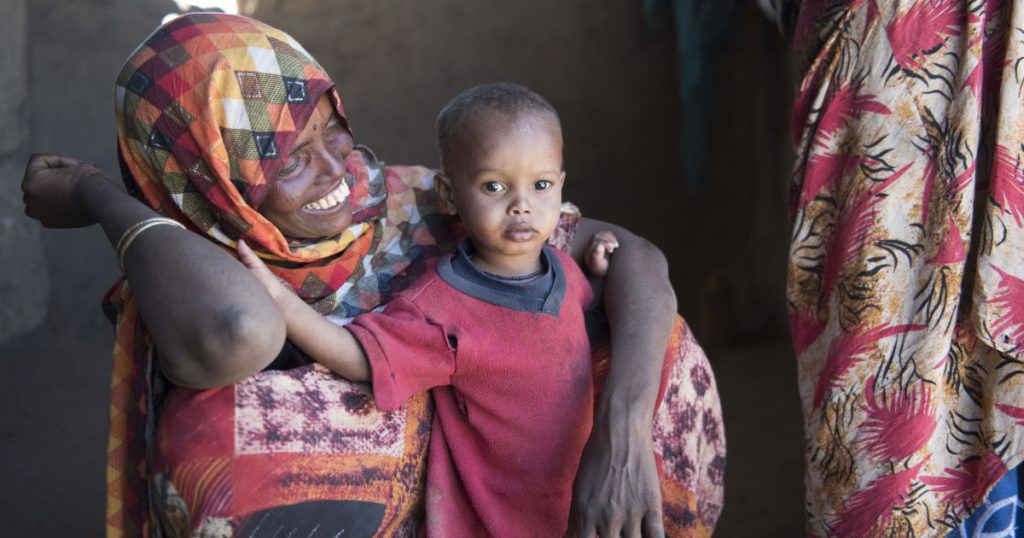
(396, 62)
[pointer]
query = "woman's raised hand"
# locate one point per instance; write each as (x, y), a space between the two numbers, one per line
(52, 190)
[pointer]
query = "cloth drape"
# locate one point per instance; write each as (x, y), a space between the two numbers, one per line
(906, 267)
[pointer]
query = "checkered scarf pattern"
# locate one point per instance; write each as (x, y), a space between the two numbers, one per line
(208, 109)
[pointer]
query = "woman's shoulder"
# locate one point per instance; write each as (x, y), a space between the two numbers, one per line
(404, 177)
(415, 214)
(411, 191)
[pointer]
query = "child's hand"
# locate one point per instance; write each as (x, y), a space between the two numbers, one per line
(249, 258)
(600, 248)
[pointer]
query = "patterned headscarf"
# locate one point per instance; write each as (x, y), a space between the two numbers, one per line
(208, 111)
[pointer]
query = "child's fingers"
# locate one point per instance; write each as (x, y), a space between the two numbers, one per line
(604, 244)
(246, 255)
(606, 238)
(597, 262)
(252, 261)
(609, 240)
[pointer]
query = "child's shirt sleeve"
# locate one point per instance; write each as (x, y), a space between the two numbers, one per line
(407, 352)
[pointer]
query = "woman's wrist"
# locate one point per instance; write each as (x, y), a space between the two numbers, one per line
(94, 191)
(627, 416)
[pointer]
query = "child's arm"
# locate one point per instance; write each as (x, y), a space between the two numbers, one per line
(325, 342)
(596, 257)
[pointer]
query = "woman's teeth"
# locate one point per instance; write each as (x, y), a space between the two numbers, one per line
(332, 199)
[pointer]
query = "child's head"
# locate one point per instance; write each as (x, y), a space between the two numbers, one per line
(501, 151)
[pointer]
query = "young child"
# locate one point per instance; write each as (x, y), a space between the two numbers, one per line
(495, 330)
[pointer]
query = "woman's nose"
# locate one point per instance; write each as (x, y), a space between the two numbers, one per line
(332, 166)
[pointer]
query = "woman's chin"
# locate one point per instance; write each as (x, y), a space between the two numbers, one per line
(307, 224)
(317, 224)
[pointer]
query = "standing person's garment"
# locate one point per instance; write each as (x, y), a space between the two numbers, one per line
(208, 109)
(906, 269)
(508, 367)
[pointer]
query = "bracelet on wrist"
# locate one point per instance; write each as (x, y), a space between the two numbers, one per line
(129, 235)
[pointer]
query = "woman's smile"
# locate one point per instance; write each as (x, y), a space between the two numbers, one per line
(332, 200)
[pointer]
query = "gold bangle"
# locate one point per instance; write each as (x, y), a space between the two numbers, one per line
(132, 233)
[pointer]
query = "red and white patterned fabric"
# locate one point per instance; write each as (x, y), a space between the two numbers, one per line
(906, 268)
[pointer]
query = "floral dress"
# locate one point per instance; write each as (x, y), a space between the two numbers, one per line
(906, 267)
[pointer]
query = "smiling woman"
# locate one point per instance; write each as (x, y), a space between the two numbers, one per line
(220, 426)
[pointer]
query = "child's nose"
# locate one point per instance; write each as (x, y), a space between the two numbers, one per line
(520, 205)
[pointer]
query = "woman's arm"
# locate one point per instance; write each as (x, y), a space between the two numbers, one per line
(326, 343)
(617, 488)
(212, 321)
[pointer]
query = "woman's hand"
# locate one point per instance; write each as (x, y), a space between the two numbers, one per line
(210, 318)
(52, 190)
(617, 491)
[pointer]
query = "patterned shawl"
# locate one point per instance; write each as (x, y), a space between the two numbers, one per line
(208, 110)
(906, 272)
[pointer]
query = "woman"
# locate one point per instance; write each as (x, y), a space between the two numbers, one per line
(246, 437)
(906, 275)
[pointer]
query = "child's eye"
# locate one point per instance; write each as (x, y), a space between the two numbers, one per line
(542, 185)
(493, 186)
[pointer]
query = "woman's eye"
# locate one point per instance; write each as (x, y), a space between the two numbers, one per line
(542, 185)
(337, 139)
(333, 128)
(493, 186)
(291, 166)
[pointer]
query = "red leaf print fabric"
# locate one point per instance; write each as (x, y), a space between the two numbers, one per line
(966, 485)
(923, 28)
(905, 286)
(898, 424)
(872, 506)
(846, 351)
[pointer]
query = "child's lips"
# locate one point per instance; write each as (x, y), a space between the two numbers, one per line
(520, 232)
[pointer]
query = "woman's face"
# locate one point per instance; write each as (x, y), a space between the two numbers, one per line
(309, 197)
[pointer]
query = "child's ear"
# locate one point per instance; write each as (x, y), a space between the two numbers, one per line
(443, 184)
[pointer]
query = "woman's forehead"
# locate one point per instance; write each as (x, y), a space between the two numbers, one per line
(321, 116)
(325, 109)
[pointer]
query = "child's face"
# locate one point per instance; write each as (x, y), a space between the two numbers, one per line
(505, 179)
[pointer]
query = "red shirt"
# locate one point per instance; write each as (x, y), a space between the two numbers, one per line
(513, 394)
